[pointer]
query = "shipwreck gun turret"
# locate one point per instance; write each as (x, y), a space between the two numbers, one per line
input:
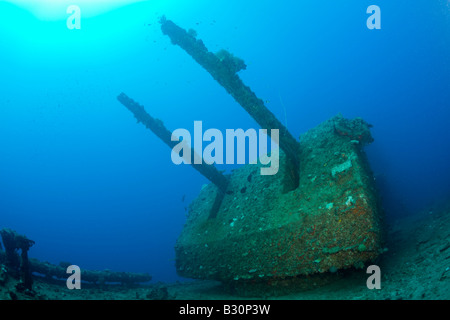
(319, 214)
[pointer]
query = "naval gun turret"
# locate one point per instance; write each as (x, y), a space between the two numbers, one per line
(319, 214)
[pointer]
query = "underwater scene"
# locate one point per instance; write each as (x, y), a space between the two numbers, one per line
(224, 150)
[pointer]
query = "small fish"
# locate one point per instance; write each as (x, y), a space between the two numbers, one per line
(183, 197)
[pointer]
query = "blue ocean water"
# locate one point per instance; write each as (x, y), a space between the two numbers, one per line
(92, 187)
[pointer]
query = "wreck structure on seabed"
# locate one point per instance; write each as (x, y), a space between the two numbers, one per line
(319, 214)
(20, 267)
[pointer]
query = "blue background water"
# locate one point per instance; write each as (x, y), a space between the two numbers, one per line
(91, 187)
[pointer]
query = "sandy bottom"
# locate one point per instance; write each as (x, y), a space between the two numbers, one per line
(415, 266)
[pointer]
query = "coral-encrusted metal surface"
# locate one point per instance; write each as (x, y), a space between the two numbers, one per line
(330, 222)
